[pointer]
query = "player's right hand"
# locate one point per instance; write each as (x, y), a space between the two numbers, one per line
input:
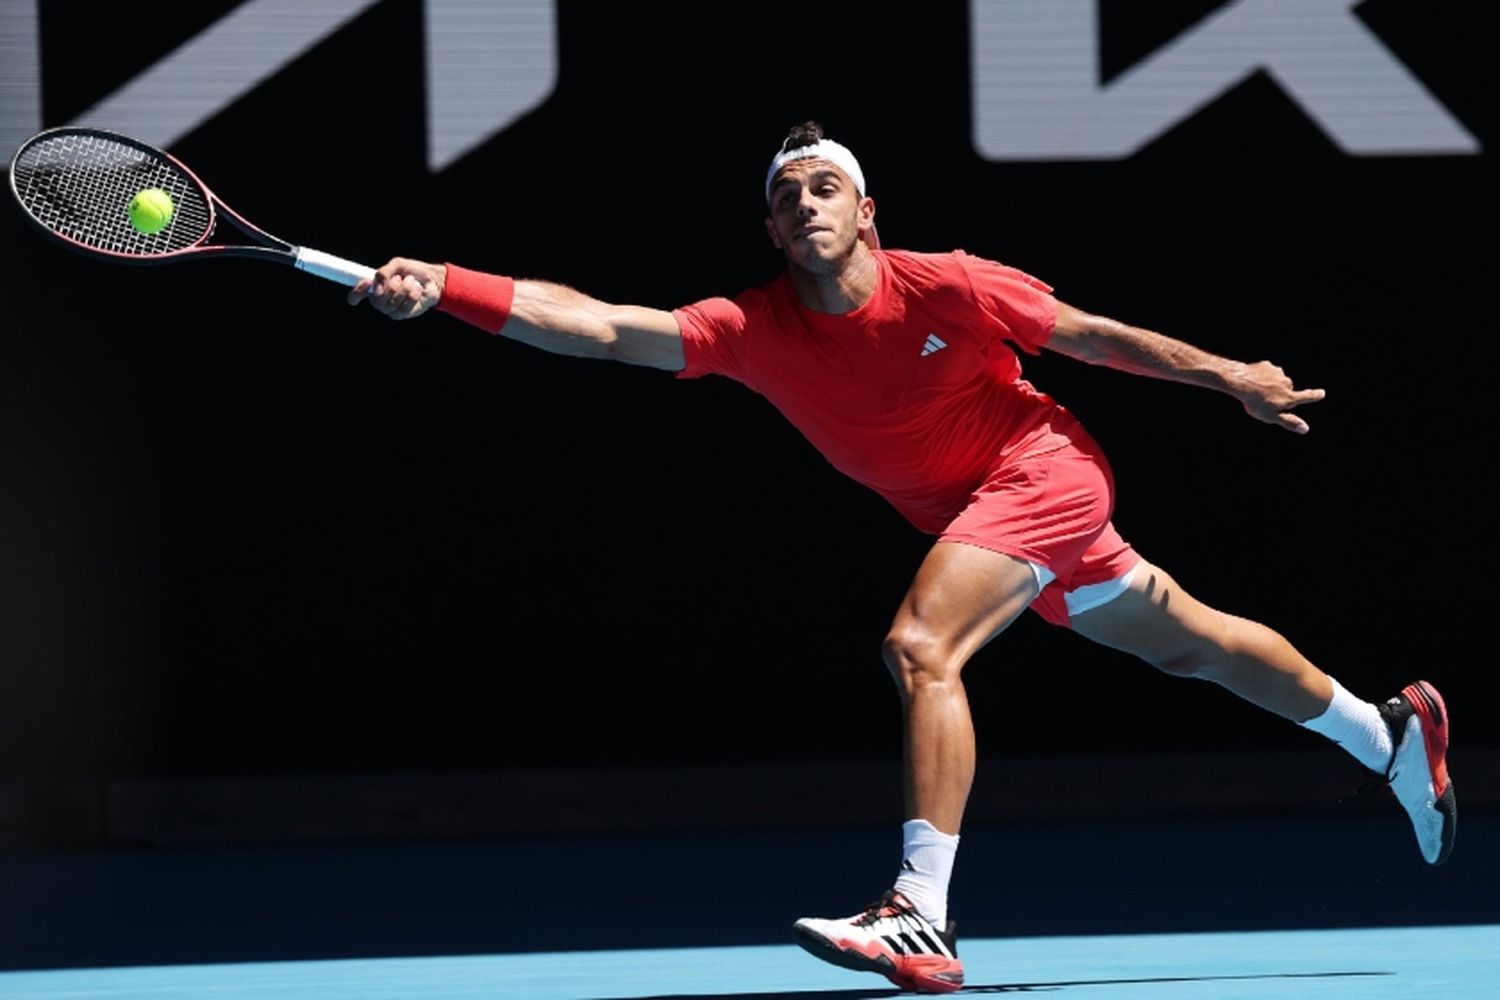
(403, 288)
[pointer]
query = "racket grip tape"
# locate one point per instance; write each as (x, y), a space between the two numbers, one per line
(326, 265)
(478, 298)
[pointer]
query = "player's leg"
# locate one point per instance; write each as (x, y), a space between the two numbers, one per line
(1158, 621)
(1403, 739)
(961, 598)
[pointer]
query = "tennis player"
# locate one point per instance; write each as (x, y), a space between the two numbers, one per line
(903, 369)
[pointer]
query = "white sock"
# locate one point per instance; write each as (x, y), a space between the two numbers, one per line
(1357, 727)
(926, 866)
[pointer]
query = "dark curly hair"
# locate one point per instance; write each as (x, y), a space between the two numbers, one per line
(806, 134)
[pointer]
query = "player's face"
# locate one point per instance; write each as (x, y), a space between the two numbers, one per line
(816, 214)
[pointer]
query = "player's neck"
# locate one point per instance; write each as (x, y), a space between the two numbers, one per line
(841, 291)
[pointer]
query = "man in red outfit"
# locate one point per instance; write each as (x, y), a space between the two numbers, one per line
(902, 369)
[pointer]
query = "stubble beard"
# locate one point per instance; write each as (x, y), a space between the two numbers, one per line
(825, 265)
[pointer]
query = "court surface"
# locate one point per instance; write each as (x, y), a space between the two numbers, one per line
(1430, 963)
(1196, 910)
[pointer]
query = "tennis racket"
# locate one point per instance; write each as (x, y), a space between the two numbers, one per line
(75, 184)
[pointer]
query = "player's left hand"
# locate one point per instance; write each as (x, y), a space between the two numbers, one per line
(1269, 395)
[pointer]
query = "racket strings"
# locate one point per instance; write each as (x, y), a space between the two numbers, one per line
(79, 186)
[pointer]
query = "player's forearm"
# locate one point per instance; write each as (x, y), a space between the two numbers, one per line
(544, 314)
(561, 320)
(1266, 392)
(1140, 351)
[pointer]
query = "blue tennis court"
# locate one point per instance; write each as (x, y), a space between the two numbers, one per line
(1428, 962)
(1306, 907)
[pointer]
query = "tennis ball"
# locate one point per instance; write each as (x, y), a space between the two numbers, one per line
(151, 210)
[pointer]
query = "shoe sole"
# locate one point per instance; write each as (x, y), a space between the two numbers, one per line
(1432, 712)
(936, 981)
(848, 958)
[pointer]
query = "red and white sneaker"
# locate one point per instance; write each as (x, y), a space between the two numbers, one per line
(1418, 775)
(890, 938)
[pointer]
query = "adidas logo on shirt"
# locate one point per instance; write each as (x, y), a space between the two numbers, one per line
(933, 345)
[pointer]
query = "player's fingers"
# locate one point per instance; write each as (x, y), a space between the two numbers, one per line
(408, 290)
(1293, 423)
(388, 276)
(391, 288)
(396, 289)
(1311, 395)
(391, 268)
(401, 289)
(359, 292)
(420, 294)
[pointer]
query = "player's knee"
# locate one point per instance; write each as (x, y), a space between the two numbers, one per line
(915, 659)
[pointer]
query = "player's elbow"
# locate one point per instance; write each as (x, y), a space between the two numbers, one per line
(1084, 344)
(601, 342)
(577, 337)
(1079, 335)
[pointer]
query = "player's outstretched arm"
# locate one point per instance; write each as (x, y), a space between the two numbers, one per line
(1266, 392)
(550, 316)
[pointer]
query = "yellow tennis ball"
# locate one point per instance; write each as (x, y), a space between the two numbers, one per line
(151, 210)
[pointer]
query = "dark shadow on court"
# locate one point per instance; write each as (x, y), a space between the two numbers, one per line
(1001, 987)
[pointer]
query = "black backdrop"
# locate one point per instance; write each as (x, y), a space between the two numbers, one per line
(247, 530)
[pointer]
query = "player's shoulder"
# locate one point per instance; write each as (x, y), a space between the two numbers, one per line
(929, 270)
(760, 305)
(920, 258)
(750, 299)
(981, 270)
(732, 314)
(933, 261)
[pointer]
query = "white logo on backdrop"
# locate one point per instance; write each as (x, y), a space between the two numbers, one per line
(1036, 89)
(1037, 93)
(488, 63)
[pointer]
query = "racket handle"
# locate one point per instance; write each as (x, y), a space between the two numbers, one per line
(326, 265)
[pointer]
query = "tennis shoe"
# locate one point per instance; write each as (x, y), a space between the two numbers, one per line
(890, 938)
(1418, 773)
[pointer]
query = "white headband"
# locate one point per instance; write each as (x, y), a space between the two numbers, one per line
(823, 149)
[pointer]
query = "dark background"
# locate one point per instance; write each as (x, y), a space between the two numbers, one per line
(246, 530)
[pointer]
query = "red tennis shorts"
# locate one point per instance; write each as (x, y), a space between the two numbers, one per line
(1049, 501)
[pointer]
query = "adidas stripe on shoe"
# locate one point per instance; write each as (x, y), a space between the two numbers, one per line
(1418, 773)
(890, 938)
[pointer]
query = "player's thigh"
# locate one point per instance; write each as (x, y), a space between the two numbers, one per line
(962, 597)
(1154, 619)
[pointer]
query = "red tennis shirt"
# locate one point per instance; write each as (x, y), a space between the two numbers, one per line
(916, 394)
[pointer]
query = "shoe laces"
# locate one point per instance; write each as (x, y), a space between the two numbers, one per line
(885, 907)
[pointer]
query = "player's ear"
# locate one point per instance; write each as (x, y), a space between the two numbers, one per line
(771, 232)
(864, 222)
